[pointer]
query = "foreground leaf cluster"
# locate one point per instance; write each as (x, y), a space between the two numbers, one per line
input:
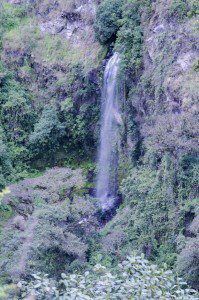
(134, 278)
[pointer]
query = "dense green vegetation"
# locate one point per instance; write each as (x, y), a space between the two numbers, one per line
(161, 189)
(48, 210)
(49, 118)
(107, 25)
(134, 278)
(120, 21)
(42, 126)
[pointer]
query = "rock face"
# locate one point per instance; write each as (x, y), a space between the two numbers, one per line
(168, 84)
(185, 60)
(171, 50)
(15, 1)
(71, 21)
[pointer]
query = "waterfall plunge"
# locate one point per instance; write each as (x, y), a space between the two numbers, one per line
(107, 175)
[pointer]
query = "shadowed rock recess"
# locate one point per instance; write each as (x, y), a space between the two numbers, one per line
(99, 144)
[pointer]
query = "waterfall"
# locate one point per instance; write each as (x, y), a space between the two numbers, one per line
(110, 120)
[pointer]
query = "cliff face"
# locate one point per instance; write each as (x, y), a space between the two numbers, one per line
(50, 76)
(172, 45)
(166, 88)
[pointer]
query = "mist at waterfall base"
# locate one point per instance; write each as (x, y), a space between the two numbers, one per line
(106, 187)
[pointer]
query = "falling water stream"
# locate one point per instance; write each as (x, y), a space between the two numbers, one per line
(110, 120)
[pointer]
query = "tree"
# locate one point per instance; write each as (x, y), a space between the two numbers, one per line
(106, 24)
(47, 131)
(5, 162)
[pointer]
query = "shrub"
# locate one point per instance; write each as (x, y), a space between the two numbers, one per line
(193, 8)
(178, 9)
(53, 50)
(11, 15)
(106, 24)
(16, 114)
(130, 35)
(48, 130)
(135, 278)
(36, 69)
(178, 136)
(188, 259)
(5, 212)
(153, 213)
(196, 65)
(56, 184)
(7, 291)
(51, 225)
(5, 160)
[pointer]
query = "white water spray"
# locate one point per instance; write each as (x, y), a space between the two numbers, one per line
(107, 175)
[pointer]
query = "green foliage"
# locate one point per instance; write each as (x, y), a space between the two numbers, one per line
(53, 50)
(151, 224)
(5, 161)
(7, 291)
(108, 14)
(48, 131)
(187, 262)
(135, 278)
(196, 65)
(193, 8)
(122, 22)
(38, 72)
(51, 226)
(178, 9)
(17, 120)
(16, 110)
(5, 212)
(130, 35)
(160, 191)
(11, 15)
(188, 259)
(177, 137)
(155, 210)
